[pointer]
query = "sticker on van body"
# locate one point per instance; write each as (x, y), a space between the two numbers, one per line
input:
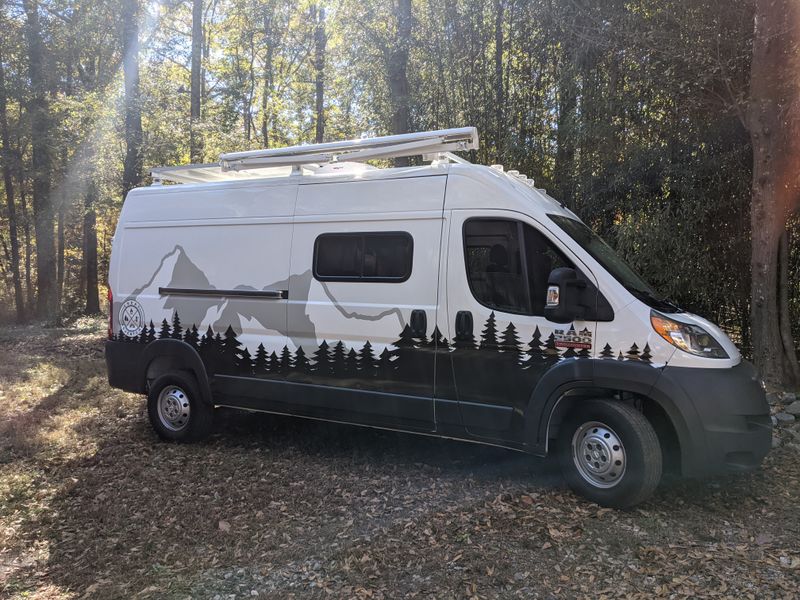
(572, 339)
(131, 318)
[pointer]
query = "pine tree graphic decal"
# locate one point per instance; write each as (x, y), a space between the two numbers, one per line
(230, 350)
(633, 353)
(551, 355)
(274, 363)
(286, 361)
(148, 334)
(366, 359)
(260, 362)
(323, 365)
(207, 340)
(337, 358)
(351, 364)
(192, 337)
(177, 331)
(385, 367)
(607, 352)
(301, 363)
(646, 357)
(244, 362)
(534, 351)
(510, 343)
(405, 352)
(489, 334)
(164, 333)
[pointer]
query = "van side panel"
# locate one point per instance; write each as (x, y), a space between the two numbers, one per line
(207, 266)
(359, 334)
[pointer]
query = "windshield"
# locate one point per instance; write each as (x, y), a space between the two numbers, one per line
(613, 263)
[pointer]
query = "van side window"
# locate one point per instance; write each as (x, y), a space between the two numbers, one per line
(508, 265)
(371, 256)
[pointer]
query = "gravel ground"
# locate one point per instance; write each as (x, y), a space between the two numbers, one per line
(92, 505)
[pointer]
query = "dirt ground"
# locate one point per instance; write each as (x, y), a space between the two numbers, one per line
(92, 505)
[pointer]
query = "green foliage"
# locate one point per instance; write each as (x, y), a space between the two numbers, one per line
(630, 112)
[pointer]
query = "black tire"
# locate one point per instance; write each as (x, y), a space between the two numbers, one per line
(192, 417)
(608, 434)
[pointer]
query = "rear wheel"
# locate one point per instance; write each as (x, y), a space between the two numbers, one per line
(609, 453)
(176, 410)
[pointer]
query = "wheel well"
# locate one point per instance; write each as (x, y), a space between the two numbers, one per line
(653, 412)
(170, 355)
(164, 364)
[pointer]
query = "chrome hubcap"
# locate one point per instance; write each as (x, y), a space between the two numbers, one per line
(173, 408)
(598, 454)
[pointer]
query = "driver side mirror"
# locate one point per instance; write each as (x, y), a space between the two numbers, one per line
(564, 302)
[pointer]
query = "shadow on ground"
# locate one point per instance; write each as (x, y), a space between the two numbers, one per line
(275, 507)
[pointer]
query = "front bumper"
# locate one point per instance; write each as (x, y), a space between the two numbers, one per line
(727, 427)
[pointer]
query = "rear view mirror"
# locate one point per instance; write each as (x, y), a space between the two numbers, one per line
(564, 296)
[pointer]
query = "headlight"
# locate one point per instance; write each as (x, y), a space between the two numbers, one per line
(689, 338)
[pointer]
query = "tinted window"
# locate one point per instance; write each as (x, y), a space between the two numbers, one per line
(363, 256)
(508, 264)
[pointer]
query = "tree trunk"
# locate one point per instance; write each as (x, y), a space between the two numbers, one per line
(60, 250)
(320, 41)
(195, 139)
(792, 366)
(774, 123)
(398, 74)
(43, 213)
(30, 300)
(19, 299)
(499, 8)
(566, 129)
(251, 90)
(61, 199)
(133, 166)
(90, 249)
(268, 80)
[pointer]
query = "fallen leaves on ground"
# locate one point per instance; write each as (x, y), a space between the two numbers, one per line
(93, 505)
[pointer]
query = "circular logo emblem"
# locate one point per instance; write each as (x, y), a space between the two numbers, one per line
(131, 318)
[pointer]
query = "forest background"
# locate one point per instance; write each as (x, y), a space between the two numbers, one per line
(672, 127)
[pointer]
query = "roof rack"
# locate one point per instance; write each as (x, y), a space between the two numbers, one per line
(436, 146)
(390, 146)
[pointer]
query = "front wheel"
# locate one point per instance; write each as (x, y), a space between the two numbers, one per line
(609, 453)
(176, 410)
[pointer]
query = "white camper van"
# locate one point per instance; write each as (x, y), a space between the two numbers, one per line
(448, 299)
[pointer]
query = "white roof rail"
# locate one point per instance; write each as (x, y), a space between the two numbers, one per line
(390, 146)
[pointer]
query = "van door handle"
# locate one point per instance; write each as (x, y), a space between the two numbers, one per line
(464, 324)
(419, 323)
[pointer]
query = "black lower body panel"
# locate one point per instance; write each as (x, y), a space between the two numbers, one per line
(367, 407)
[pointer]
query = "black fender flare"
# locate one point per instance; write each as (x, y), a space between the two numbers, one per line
(572, 377)
(180, 353)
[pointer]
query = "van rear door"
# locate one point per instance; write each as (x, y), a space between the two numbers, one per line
(363, 299)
